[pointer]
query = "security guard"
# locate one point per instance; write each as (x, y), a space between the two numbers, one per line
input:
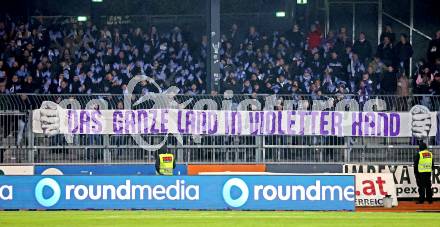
(165, 162)
(423, 166)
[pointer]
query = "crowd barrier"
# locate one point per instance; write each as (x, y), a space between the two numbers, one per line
(18, 144)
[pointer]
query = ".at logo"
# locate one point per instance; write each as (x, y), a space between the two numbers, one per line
(242, 199)
(39, 192)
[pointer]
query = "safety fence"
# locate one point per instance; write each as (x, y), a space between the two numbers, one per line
(18, 144)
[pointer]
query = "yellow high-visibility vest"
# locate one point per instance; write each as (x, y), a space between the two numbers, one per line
(166, 164)
(425, 161)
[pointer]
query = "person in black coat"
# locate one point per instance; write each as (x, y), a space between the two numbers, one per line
(389, 81)
(295, 38)
(435, 89)
(388, 33)
(362, 48)
(385, 51)
(403, 52)
(435, 85)
(423, 179)
(434, 49)
(29, 86)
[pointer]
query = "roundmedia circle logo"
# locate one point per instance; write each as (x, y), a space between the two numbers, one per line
(39, 192)
(242, 199)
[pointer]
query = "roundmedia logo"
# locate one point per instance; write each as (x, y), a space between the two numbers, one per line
(227, 188)
(39, 192)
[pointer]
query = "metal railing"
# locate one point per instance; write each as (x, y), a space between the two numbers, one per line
(18, 144)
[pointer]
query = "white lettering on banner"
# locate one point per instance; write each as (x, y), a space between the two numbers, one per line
(332, 192)
(111, 189)
(81, 192)
(95, 194)
(220, 122)
(403, 177)
(313, 192)
(127, 191)
(158, 192)
(6, 192)
(371, 188)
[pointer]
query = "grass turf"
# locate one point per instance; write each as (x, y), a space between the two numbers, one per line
(213, 218)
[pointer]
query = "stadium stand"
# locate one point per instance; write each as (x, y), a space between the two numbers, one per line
(82, 58)
(50, 61)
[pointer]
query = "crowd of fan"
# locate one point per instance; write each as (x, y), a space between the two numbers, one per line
(297, 63)
(84, 59)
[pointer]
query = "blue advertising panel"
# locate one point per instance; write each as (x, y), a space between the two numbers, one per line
(178, 192)
(114, 169)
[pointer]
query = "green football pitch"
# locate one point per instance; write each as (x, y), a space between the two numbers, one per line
(213, 218)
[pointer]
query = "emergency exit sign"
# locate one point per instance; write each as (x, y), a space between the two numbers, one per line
(301, 2)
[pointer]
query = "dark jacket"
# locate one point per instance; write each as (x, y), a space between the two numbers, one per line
(433, 50)
(29, 87)
(390, 35)
(403, 52)
(362, 49)
(338, 69)
(296, 39)
(386, 53)
(435, 87)
(389, 82)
